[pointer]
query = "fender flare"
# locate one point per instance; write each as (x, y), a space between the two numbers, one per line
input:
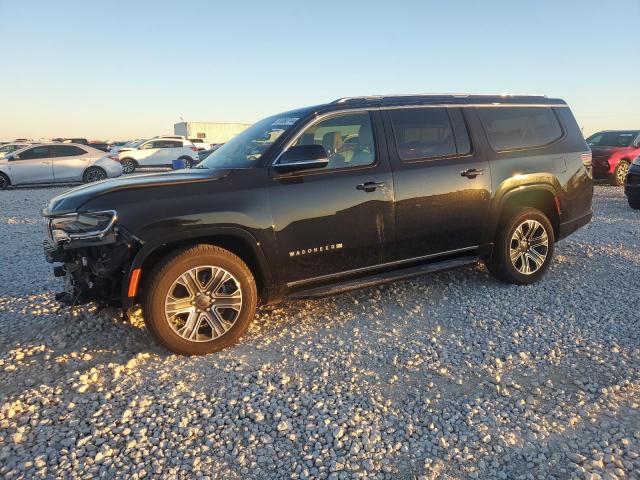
(503, 197)
(193, 235)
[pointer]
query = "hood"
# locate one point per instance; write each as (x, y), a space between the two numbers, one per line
(72, 200)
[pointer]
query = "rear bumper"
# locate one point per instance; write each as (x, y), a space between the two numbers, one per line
(631, 190)
(600, 173)
(632, 182)
(567, 228)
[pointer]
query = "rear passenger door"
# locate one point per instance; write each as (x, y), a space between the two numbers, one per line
(148, 154)
(442, 183)
(69, 162)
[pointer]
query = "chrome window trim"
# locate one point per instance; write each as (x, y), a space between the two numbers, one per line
(357, 109)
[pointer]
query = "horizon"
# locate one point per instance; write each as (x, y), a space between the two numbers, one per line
(117, 71)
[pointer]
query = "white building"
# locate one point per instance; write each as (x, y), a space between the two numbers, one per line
(209, 132)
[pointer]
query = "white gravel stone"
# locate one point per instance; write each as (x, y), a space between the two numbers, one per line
(452, 375)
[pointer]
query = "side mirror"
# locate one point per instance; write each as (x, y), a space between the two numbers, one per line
(15, 156)
(302, 157)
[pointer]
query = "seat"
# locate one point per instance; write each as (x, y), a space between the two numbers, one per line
(365, 152)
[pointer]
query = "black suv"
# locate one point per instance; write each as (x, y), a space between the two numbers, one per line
(326, 199)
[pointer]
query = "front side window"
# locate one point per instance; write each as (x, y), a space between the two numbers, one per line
(35, 152)
(423, 133)
(612, 139)
(347, 139)
(510, 128)
(245, 149)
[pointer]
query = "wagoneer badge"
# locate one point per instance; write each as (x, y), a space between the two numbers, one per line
(324, 248)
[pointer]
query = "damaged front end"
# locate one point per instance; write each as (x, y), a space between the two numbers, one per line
(94, 252)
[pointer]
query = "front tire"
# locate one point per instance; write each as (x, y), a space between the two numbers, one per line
(4, 181)
(619, 174)
(523, 248)
(199, 300)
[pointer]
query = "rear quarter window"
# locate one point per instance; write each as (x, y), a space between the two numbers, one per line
(514, 128)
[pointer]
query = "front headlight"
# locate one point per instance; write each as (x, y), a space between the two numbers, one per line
(81, 225)
(636, 161)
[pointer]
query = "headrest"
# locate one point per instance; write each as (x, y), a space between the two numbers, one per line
(365, 136)
(332, 142)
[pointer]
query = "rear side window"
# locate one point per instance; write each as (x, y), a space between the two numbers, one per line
(66, 151)
(167, 144)
(510, 128)
(422, 133)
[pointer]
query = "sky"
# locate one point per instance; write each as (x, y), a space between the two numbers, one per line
(131, 69)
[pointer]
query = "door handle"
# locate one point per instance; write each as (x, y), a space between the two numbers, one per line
(369, 186)
(472, 172)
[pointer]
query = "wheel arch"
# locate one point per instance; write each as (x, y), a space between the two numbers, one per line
(236, 240)
(541, 196)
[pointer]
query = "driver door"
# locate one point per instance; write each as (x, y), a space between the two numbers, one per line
(335, 220)
(148, 154)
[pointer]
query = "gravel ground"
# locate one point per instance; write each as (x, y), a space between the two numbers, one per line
(451, 375)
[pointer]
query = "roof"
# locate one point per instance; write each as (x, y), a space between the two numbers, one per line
(457, 98)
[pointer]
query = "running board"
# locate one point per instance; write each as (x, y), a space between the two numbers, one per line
(380, 278)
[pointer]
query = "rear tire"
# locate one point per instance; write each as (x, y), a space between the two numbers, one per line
(4, 181)
(94, 174)
(523, 247)
(191, 309)
(634, 203)
(619, 174)
(128, 165)
(188, 162)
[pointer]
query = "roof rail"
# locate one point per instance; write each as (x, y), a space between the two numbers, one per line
(456, 95)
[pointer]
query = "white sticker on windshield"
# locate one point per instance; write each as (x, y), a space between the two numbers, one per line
(285, 121)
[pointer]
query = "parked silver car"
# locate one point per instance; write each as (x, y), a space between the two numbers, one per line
(56, 162)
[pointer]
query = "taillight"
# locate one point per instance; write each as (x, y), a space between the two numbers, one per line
(194, 148)
(113, 157)
(586, 161)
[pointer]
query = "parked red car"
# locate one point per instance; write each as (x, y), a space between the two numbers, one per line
(613, 152)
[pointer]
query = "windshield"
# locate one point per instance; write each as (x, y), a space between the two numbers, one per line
(245, 149)
(10, 148)
(611, 139)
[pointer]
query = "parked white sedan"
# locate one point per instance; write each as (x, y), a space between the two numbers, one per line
(56, 162)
